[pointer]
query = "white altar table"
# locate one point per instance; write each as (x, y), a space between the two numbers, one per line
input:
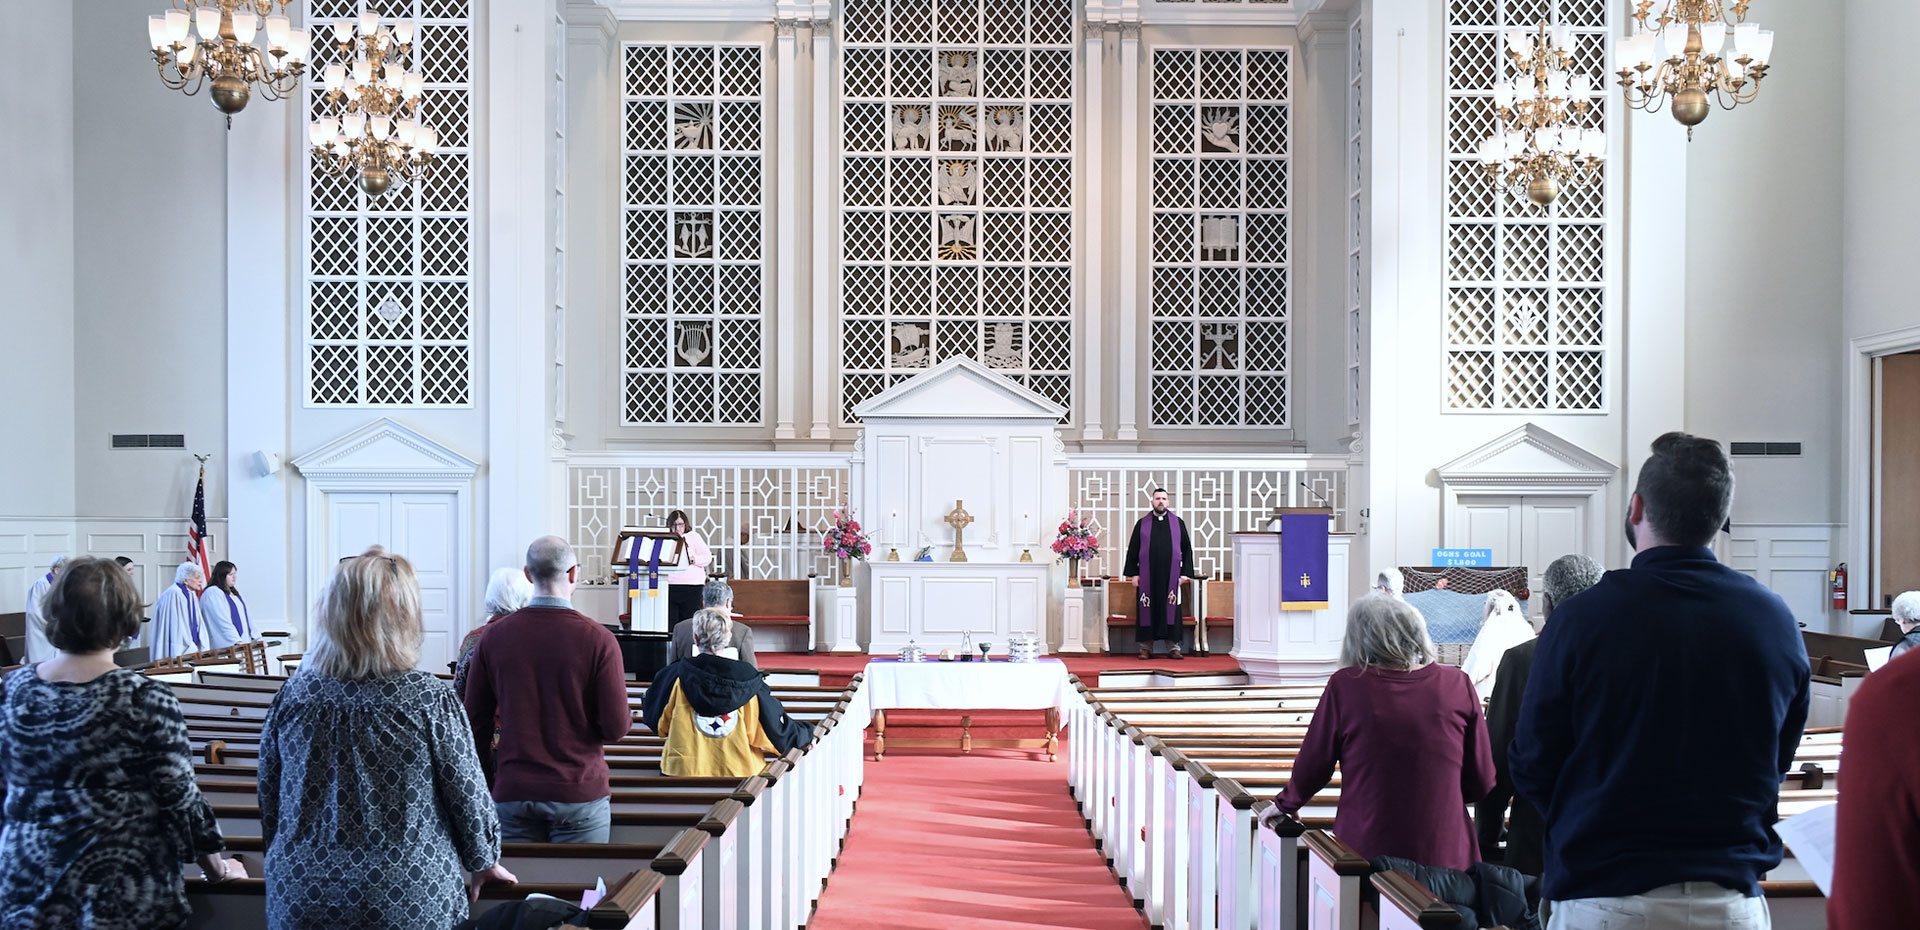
(1001, 685)
(1038, 685)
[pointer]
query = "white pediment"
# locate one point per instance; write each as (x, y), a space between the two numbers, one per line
(1528, 455)
(386, 449)
(959, 389)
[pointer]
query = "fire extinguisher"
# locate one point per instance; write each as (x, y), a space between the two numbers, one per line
(1838, 580)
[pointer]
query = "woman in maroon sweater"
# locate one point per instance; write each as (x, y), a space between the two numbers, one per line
(1409, 738)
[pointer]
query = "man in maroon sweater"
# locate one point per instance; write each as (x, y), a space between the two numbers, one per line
(555, 678)
(1876, 861)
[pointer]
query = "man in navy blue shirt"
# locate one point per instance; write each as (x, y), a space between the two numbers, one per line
(1665, 704)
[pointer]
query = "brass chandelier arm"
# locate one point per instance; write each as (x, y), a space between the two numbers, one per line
(195, 46)
(369, 126)
(1695, 73)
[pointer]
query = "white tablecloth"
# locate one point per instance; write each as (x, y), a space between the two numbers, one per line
(996, 685)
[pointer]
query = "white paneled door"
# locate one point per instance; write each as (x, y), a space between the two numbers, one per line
(422, 528)
(1525, 530)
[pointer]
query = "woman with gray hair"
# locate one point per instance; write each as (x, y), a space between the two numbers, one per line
(372, 803)
(1906, 613)
(1408, 737)
(508, 590)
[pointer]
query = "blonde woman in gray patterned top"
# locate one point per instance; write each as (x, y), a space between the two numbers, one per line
(371, 798)
(101, 807)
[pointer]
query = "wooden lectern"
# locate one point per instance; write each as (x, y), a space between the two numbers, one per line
(643, 557)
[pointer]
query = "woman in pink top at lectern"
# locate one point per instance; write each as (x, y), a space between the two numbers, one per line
(1408, 736)
(684, 586)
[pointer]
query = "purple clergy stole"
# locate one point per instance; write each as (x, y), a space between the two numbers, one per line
(1171, 609)
(193, 612)
(234, 613)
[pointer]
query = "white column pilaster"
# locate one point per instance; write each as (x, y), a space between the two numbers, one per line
(1130, 220)
(264, 365)
(1093, 218)
(822, 316)
(517, 248)
(786, 228)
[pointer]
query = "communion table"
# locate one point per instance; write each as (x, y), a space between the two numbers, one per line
(934, 604)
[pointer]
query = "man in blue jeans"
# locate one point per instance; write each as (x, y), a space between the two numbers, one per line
(555, 678)
(1665, 704)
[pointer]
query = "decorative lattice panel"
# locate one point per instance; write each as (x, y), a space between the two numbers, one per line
(1222, 214)
(389, 279)
(1356, 219)
(694, 185)
(957, 191)
(1215, 502)
(762, 521)
(1525, 314)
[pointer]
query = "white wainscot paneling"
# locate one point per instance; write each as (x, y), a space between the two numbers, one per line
(1791, 559)
(155, 544)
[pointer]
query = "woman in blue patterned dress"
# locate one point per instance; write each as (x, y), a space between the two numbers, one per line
(371, 798)
(101, 807)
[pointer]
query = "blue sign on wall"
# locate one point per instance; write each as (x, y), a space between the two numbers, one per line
(1463, 558)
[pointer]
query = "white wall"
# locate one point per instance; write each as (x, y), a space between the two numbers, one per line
(149, 315)
(36, 262)
(1882, 210)
(1764, 285)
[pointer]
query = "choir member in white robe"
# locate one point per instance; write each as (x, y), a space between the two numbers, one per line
(38, 649)
(178, 625)
(225, 611)
(1505, 627)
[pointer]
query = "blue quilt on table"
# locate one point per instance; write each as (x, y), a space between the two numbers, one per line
(1452, 617)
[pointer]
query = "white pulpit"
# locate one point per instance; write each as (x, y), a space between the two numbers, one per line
(935, 604)
(959, 433)
(1286, 646)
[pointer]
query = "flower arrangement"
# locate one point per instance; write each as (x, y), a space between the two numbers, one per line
(845, 539)
(1076, 542)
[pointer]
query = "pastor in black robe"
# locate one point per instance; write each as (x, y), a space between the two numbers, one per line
(1159, 584)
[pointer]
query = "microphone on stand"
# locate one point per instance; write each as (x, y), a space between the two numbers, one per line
(1316, 495)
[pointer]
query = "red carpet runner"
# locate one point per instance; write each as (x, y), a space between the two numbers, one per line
(987, 840)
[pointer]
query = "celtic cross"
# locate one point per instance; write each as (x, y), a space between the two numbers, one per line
(958, 519)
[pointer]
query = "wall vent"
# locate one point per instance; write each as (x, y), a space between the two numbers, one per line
(149, 441)
(1766, 448)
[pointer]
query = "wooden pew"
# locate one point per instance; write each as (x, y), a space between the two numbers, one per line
(634, 900)
(779, 611)
(1129, 778)
(805, 806)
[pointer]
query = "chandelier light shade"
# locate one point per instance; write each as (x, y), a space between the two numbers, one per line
(1683, 59)
(370, 124)
(214, 45)
(1542, 106)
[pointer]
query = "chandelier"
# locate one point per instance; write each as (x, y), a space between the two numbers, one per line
(1695, 68)
(373, 103)
(224, 54)
(1541, 144)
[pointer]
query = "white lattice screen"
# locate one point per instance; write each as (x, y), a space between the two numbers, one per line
(763, 521)
(1215, 503)
(1526, 286)
(1222, 131)
(695, 183)
(957, 187)
(1356, 218)
(389, 292)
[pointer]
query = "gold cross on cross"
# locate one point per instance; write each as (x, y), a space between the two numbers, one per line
(1306, 580)
(958, 519)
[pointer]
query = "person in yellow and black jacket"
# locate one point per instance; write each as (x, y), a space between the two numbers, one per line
(718, 716)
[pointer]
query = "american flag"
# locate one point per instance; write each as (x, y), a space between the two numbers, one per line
(197, 527)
